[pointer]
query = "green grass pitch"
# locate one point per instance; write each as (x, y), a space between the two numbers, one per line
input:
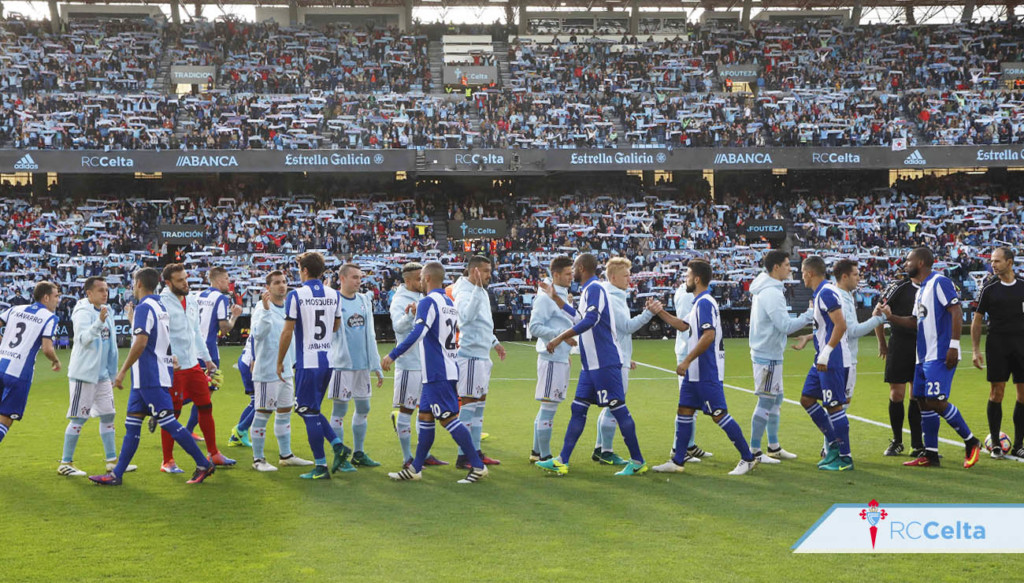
(518, 525)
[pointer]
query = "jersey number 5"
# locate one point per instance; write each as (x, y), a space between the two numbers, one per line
(321, 326)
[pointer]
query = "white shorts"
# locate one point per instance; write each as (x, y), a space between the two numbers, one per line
(274, 394)
(625, 379)
(552, 380)
(350, 384)
(851, 381)
(91, 399)
(408, 386)
(474, 376)
(768, 379)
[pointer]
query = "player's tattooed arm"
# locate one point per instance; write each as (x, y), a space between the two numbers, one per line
(563, 337)
(953, 353)
(978, 359)
(138, 347)
(801, 341)
(883, 346)
(707, 338)
(673, 321)
(550, 291)
(51, 355)
(909, 322)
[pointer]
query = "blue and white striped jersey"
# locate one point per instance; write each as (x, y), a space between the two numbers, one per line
(934, 322)
(26, 326)
(315, 309)
(595, 327)
(247, 352)
(704, 316)
(436, 328)
(213, 308)
(154, 368)
(827, 299)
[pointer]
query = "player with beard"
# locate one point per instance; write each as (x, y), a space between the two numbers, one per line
(938, 317)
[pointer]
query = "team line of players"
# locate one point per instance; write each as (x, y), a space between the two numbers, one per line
(314, 341)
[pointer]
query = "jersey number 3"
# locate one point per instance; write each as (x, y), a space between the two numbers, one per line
(19, 332)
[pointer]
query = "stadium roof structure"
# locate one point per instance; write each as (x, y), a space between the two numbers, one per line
(609, 5)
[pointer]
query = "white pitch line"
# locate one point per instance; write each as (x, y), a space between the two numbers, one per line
(574, 379)
(790, 401)
(797, 403)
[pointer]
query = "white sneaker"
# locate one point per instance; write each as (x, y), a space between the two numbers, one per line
(69, 470)
(293, 460)
(669, 467)
(686, 459)
(113, 464)
(474, 475)
(764, 458)
(262, 466)
(406, 475)
(744, 467)
(997, 454)
(780, 454)
(698, 453)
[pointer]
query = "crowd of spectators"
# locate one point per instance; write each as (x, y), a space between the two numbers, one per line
(98, 84)
(269, 58)
(250, 230)
(324, 120)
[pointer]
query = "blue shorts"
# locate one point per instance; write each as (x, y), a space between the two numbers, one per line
(150, 401)
(440, 398)
(13, 396)
(601, 387)
(310, 388)
(829, 387)
(932, 380)
(707, 396)
(246, 372)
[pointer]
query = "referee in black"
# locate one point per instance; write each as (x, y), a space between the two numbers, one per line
(1002, 300)
(900, 355)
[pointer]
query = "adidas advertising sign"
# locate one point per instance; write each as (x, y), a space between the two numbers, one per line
(26, 163)
(520, 161)
(916, 528)
(915, 159)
